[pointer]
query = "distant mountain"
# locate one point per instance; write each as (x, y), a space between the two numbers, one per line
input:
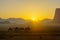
(12, 21)
(16, 20)
(4, 21)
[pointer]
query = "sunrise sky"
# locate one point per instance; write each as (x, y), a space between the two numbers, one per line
(27, 9)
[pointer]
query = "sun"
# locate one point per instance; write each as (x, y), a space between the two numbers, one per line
(33, 19)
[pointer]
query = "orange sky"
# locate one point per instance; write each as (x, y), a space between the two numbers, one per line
(28, 9)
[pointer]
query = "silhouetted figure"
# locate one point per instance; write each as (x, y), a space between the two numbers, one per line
(16, 29)
(21, 29)
(27, 29)
(10, 29)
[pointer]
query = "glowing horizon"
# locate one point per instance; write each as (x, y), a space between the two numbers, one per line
(39, 9)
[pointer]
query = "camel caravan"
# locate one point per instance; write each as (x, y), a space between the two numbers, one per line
(21, 29)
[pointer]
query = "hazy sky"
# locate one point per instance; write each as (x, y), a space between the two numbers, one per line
(28, 8)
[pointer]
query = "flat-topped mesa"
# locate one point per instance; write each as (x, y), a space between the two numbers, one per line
(57, 16)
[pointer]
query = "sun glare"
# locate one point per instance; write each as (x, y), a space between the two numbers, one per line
(33, 19)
